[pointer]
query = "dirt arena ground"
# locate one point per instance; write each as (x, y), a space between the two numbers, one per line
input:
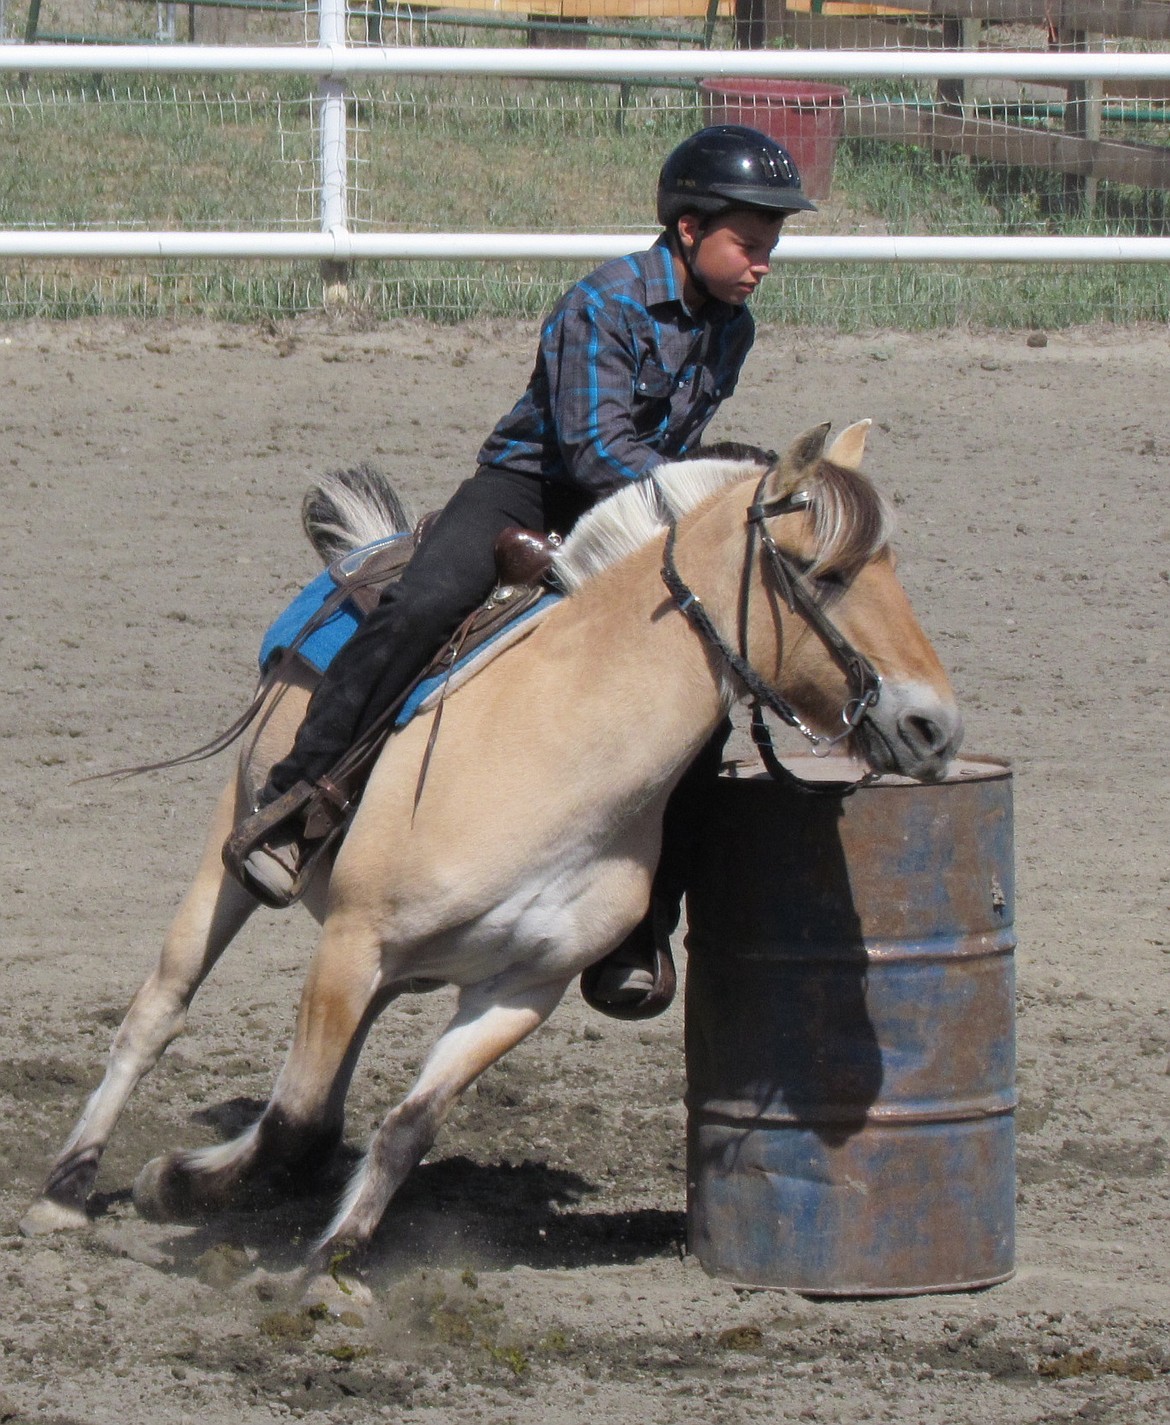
(533, 1269)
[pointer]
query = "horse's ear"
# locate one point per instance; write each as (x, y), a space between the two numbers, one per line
(849, 447)
(804, 451)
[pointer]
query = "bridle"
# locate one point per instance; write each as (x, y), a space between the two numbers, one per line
(794, 589)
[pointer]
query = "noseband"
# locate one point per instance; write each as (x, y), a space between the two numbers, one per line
(789, 580)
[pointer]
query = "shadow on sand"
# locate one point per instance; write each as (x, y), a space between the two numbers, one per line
(453, 1212)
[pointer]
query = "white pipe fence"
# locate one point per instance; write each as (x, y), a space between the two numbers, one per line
(333, 158)
(347, 246)
(334, 62)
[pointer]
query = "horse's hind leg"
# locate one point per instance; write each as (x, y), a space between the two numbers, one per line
(211, 913)
(302, 1124)
(485, 1026)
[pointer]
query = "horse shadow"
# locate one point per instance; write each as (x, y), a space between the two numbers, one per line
(453, 1212)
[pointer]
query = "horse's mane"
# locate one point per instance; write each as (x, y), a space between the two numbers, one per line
(851, 521)
(347, 509)
(852, 524)
(626, 521)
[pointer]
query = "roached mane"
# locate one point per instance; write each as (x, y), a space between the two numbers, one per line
(851, 522)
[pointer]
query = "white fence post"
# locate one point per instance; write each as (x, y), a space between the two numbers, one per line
(334, 155)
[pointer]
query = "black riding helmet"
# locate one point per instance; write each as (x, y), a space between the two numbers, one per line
(728, 166)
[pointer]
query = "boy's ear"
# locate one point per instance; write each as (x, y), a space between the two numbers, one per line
(688, 226)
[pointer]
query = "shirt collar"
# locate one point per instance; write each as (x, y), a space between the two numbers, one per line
(662, 285)
(661, 280)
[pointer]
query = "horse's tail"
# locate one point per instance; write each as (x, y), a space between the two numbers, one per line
(347, 509)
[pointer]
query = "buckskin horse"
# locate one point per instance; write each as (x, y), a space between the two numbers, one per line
(531, 851)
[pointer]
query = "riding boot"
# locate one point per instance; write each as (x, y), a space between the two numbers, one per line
(636, 980)
(276, 851)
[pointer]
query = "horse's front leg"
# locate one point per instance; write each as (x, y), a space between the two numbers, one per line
(296, 1134)
(212, 912)
(486, 1024)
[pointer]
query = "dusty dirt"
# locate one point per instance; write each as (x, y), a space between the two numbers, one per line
(534, 1267)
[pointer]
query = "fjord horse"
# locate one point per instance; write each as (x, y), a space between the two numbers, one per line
(531, 852)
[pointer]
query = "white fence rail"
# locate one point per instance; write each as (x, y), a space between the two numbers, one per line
(342, 245)
(334, 62)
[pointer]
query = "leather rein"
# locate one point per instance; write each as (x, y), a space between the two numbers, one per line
(794, 589)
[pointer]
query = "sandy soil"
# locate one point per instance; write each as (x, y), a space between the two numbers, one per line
(534, 1269)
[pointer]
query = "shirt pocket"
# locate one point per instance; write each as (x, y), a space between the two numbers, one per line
(706, 387)
(654, 390)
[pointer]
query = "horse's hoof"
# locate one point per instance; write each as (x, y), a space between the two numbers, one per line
(45, 1216)
(147, 1193)
(161, 1193)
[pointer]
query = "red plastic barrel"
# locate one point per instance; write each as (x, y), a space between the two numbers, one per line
(806, 118)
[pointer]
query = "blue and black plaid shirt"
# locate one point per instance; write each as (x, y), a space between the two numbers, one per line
(625, 377)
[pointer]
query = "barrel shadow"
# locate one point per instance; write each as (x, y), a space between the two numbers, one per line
(778, 1030)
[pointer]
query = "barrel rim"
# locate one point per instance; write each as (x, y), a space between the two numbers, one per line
(976, 768)
(872, 1292)
(709, 1113)
(856, 955)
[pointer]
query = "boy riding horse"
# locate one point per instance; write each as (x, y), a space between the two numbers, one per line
(633, 363)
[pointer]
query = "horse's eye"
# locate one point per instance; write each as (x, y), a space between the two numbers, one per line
(830, 581)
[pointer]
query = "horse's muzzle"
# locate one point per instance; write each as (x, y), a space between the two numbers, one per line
(911, 732)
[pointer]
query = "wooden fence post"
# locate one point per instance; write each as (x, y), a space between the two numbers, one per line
(1082, 116)
(958, 32)
(758, 22)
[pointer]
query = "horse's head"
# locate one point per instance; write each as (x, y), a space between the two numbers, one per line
(831, 530)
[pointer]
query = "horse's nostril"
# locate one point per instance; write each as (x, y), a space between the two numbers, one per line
(923, 733)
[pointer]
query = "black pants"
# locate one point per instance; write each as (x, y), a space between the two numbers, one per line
(451, 574)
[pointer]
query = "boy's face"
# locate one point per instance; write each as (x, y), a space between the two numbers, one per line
(734, 251)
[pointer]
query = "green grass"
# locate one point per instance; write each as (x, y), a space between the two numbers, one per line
(480, 155)
(91, 154)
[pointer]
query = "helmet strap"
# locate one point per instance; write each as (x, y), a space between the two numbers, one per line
(688, 255)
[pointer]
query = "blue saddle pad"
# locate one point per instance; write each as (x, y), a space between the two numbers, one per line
(324, 643)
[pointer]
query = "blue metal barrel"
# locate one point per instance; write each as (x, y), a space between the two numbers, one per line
(850, 1035)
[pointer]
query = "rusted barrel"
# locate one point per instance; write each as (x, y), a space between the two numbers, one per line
(850, 1035)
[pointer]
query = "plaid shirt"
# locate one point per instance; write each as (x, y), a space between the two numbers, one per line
(625, 377)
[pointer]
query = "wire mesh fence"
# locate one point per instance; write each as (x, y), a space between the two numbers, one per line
(452, 154)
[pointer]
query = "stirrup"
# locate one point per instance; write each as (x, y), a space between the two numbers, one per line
(305, 822)
(653, 1002)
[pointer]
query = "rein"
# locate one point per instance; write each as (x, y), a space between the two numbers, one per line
(800, 600)
(272, 675)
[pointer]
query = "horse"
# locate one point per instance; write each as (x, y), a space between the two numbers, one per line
(530, 853)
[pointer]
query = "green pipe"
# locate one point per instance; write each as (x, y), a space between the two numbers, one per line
(502, 22)
(1121, 114)
(290, 7)
(482, 22)
(60, 38)
(1132, 114)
